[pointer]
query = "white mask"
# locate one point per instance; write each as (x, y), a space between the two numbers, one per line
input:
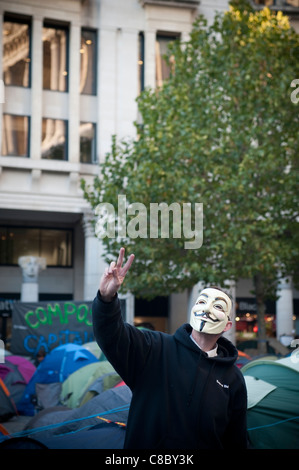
(211, 311)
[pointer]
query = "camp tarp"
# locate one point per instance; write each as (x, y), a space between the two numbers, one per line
(95, 349)
(16, 372)
(46, 325)
(55, 368)
(273, 405)
(101, 436)
(112, 405)
(7, 406)
(79, 385)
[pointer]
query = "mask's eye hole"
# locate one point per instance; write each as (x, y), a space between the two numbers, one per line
(219, 307)
(200, 302)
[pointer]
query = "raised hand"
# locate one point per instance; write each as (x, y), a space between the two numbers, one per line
(114, 276)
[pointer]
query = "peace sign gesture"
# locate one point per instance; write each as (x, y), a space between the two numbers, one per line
(114, 276)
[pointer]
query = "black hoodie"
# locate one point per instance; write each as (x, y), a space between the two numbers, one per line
(181, 398)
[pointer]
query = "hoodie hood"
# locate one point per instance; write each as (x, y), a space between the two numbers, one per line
(227, 353)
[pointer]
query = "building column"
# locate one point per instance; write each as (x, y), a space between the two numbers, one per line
(231, 334)
(94, 264)
(150, 59)
(74, 94)
(36, 88)
(285, 312)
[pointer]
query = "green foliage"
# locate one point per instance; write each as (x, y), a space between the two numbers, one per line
(221, 131)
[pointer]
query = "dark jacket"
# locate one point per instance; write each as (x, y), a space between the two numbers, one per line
(181, 398)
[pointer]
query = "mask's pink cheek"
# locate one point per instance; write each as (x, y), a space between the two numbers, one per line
(219, 315)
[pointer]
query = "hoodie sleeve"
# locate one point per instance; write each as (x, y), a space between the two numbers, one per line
(125, 347)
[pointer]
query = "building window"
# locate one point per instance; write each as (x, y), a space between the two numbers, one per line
(15, 135)
(55, 57)
(277, 3)
(88, 53)
(54, 139)
(140, 62)
(16, 51)
(88, 142)
(163, 70)
(53, 244)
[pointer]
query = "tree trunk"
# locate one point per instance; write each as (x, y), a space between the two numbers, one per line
(259, 293)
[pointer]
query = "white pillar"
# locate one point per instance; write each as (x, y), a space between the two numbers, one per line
(74, 94)
(29, 292)
(130, 306)
(231, 334)
(284, 311)
(36, 89)
(107, 84)
(31, 267)
(150, 59)
(93, 262)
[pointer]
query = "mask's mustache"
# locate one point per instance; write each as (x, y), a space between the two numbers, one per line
(206, 315)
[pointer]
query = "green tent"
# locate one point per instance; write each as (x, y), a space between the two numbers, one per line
(87, 382)
(94, 348)
(273, 403)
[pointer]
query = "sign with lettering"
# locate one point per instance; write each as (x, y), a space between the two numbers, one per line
(46, 325)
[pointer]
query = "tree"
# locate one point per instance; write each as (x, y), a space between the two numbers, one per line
(222, 131)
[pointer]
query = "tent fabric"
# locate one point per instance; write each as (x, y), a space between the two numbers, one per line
(273, 419)
(7, 405)
(16, 372)
(48, 395)
(281, 374)
(113, 404)
(95, 349)
(100, 385)
(25, 367)
(56, 367)
(21, 443)
(257, 390)
(102, 436)
(77, 385)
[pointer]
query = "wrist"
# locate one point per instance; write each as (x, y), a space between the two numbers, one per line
(107, 298)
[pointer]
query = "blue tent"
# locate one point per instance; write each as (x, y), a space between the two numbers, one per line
(54, 369)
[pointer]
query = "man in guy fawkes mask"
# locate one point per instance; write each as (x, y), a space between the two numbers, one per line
(210, 315)
(187, 392)
(211, 311)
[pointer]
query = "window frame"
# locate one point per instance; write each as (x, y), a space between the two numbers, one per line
(94, 67)
(28, 135)
(11, 17)
(169, 36)
(141, 59)
(66, 144)
(53, 24)
(30, 227)
(95, 160)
